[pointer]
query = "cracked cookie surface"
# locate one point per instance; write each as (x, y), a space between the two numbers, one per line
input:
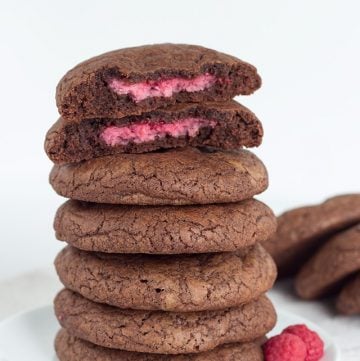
(70, 348)
(179, 283)
(336, 260)
(174, 177)
(302, 230)
(164, 229)
(162, 332)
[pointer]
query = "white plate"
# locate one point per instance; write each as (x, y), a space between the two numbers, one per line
(29, 336)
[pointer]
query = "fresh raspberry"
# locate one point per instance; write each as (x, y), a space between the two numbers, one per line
(314, 344)
(285, 347)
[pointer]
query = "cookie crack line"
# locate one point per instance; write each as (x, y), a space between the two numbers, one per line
(167, 229)
(67, 346)
(154, 179)
(162, 332)
(173, 283)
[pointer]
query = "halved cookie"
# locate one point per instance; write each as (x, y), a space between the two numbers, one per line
(139, 79)
(225, 125)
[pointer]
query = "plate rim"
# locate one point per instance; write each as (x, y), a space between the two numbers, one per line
(283, 312)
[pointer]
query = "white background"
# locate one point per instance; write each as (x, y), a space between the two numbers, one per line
(307, 53)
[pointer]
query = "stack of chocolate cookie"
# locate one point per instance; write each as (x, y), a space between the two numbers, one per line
(164, 260)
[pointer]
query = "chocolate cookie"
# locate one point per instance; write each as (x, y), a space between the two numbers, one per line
(301, 231)
(226, 125)
(164, 229)
(162, 332)
(336, 260)
(348, 301)
(181, 283)
(175, 177)
(136, 80)
(70, 348)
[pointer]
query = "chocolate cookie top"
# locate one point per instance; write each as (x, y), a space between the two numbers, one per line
(138, 79)
(224, 125)
(336, 260)
(301, 231)
(348, 301)
(164, 229)
(162, 332)
(181, 283)
(174, 177)
(70, 348)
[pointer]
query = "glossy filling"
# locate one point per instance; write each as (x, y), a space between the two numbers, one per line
(161, 88)
(144, 132)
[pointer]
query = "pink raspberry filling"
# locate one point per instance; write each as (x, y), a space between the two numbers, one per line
(146, 132)
(161, 88)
